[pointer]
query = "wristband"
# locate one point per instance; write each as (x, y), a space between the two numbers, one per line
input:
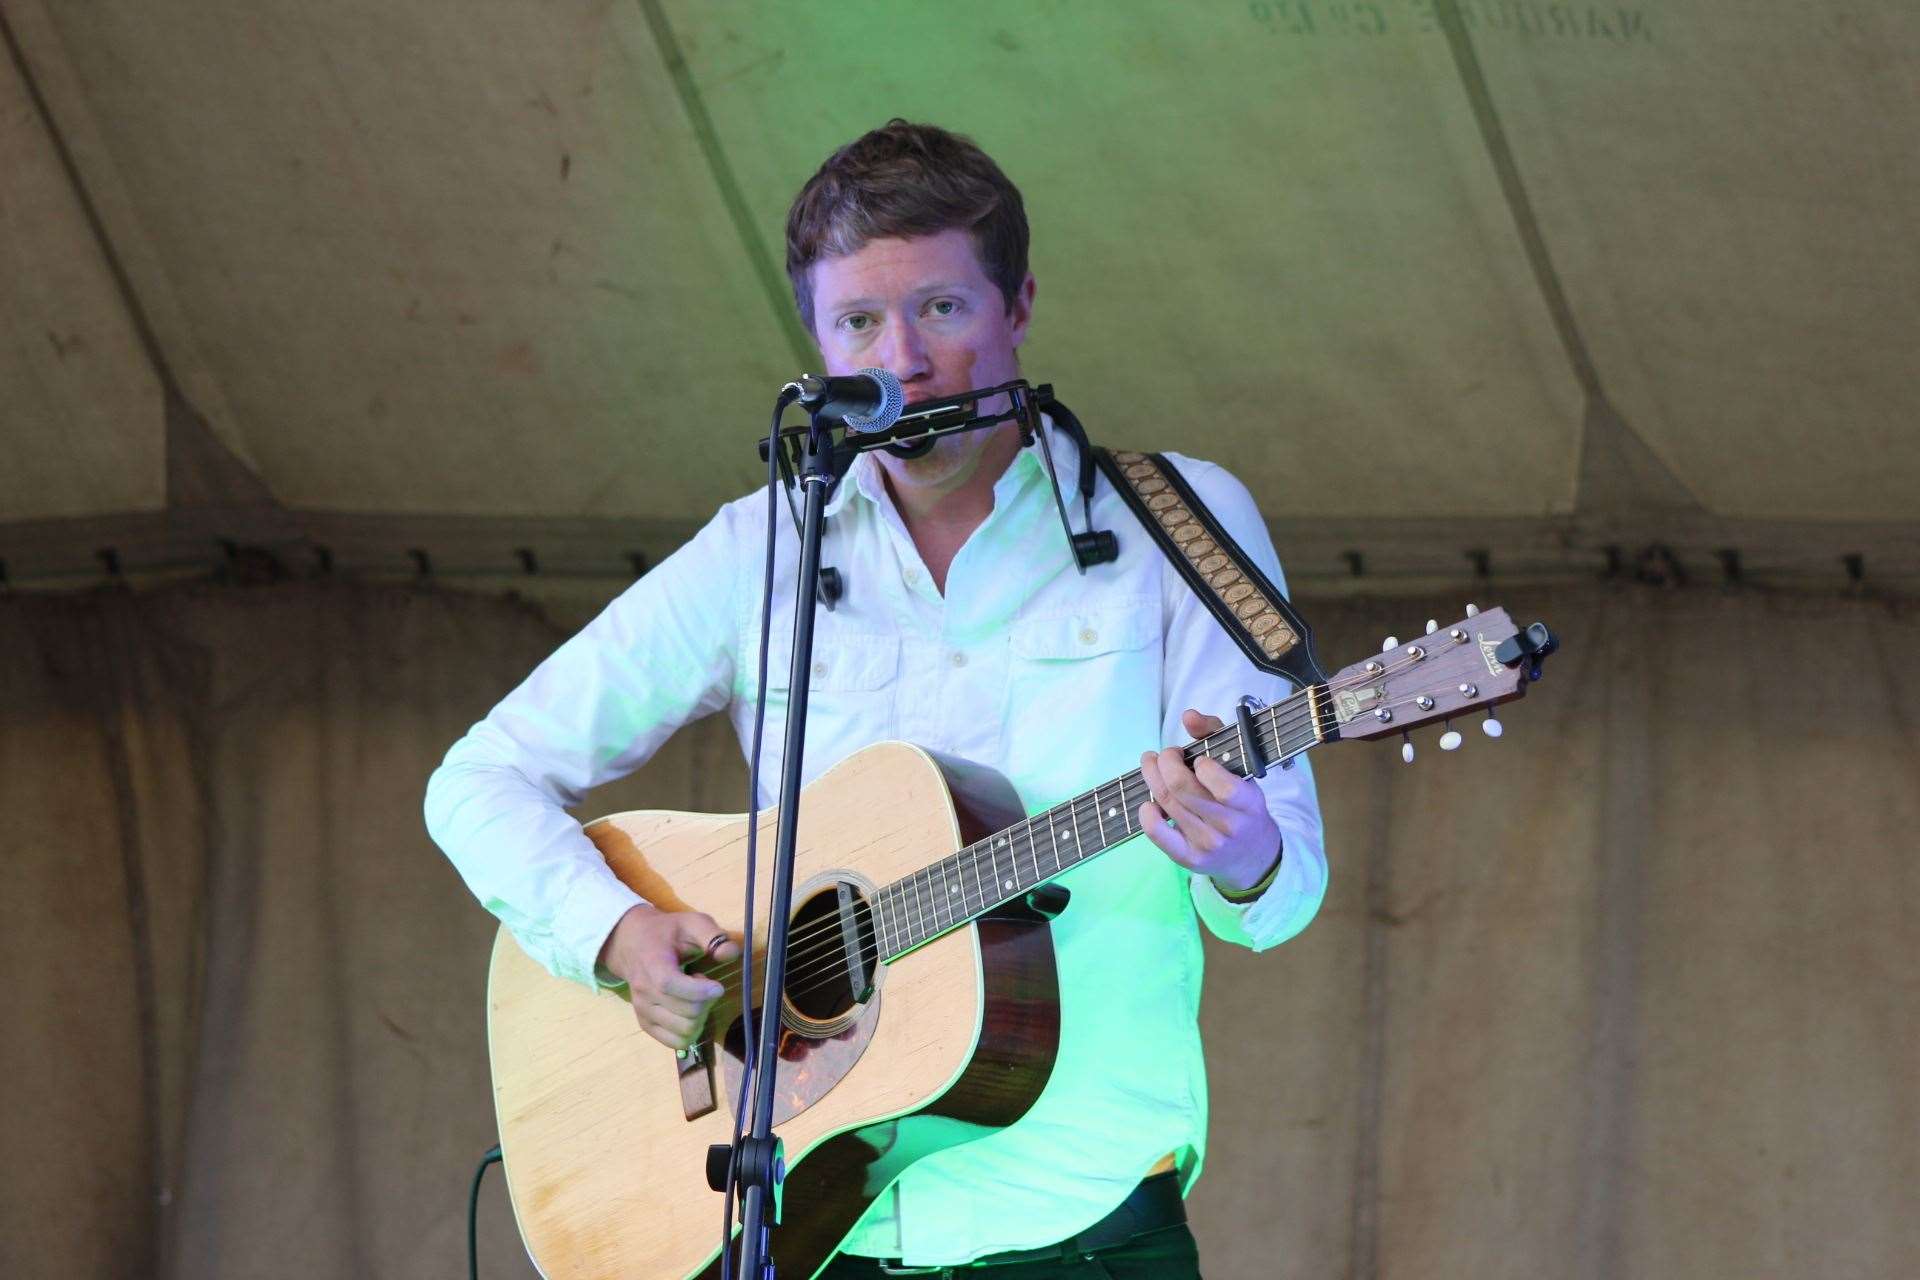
(1243, 896)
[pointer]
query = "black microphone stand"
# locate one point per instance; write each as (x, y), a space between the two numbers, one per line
(760, 1163)
(758, 1167)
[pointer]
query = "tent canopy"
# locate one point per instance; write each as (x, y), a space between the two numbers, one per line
(1428, 274)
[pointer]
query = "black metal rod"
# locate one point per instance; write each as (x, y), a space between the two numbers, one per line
(816, 476)
(935, 419)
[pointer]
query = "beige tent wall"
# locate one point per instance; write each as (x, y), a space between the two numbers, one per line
(1626, 993)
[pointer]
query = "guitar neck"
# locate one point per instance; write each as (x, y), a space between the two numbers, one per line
(965, 885)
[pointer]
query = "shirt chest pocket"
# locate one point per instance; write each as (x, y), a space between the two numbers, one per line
(843, 662)
(1092, 634)
(1093, 677)
(851, 691)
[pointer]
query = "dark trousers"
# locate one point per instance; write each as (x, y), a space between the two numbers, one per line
(1167, 1254)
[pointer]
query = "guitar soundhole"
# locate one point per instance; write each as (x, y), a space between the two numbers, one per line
(826, 976)
(832, 1001)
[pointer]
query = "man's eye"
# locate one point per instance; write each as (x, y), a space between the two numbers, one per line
(856, 323)
(943, 306)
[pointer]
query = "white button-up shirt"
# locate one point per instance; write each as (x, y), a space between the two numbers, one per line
(1055, 679)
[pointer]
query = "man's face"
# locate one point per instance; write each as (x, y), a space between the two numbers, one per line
(925, 311)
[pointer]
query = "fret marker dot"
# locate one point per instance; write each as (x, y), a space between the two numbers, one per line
(953, 888)
(1112, 812)
(1009, 885)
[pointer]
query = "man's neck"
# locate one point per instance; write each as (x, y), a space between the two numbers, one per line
(940, 520)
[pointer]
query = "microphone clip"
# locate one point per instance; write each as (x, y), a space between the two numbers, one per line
(1095, 546)
(913, 431)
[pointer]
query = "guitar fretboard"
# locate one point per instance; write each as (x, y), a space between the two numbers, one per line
(967, 884)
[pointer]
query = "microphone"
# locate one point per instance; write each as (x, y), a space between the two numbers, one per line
(870, 400)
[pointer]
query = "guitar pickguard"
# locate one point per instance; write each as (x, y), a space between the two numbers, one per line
(809, 1066)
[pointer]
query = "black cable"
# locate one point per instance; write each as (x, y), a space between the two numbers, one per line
(1070, 423)
(473, 1213)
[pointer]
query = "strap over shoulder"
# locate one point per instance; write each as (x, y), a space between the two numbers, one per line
(1262, 621)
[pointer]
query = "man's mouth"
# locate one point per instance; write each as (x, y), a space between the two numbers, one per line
(918, 401)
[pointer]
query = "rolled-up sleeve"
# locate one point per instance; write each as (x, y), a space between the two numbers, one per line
(658, 657)
(1206, 670)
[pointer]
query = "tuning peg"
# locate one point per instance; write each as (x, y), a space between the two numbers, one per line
(1450, 740)
(1491, 726)
(1406, 747)
(1473, 610)
(1389, 644)
(1432, 626)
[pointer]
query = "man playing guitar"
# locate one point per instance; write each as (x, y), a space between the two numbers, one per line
(967, 631)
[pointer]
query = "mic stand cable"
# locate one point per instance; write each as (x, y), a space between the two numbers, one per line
(473, 1213)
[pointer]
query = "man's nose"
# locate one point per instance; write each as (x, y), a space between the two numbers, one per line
(904, 352)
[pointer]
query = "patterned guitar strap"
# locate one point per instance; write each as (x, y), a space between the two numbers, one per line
(1261, 621)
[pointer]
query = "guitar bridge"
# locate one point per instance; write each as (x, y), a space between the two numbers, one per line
(859, 981)
(695, 1067)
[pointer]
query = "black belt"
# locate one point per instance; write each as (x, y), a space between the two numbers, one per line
(1154, 1205)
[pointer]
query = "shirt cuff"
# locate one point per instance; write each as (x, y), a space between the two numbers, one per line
(1277, 914)
(1252, 893)
(1226, 920)
(587, 915)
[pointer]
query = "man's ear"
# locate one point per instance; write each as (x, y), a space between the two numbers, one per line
(1021, 309)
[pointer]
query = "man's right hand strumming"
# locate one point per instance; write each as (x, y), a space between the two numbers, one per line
(647, 950)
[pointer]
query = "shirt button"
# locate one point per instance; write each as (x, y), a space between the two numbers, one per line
(1088, 635)
(958, 659)
(913, 576)
(819, 668)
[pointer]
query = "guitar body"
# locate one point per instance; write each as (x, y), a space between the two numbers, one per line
(605, 1144)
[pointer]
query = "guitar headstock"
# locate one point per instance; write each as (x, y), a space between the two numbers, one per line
(1479, 661)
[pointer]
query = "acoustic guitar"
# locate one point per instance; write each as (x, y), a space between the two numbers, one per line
(919, 1007)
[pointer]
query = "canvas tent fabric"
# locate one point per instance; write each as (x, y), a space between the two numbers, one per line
(519, 267)
(1625, 993)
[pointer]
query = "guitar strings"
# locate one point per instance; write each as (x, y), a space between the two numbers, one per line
(1299, 710)
(826, 932)
(1135, 791)
(827, 970)
(821, 942)
(823, 937)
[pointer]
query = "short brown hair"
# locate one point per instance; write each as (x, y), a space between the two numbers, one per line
(904, 180)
